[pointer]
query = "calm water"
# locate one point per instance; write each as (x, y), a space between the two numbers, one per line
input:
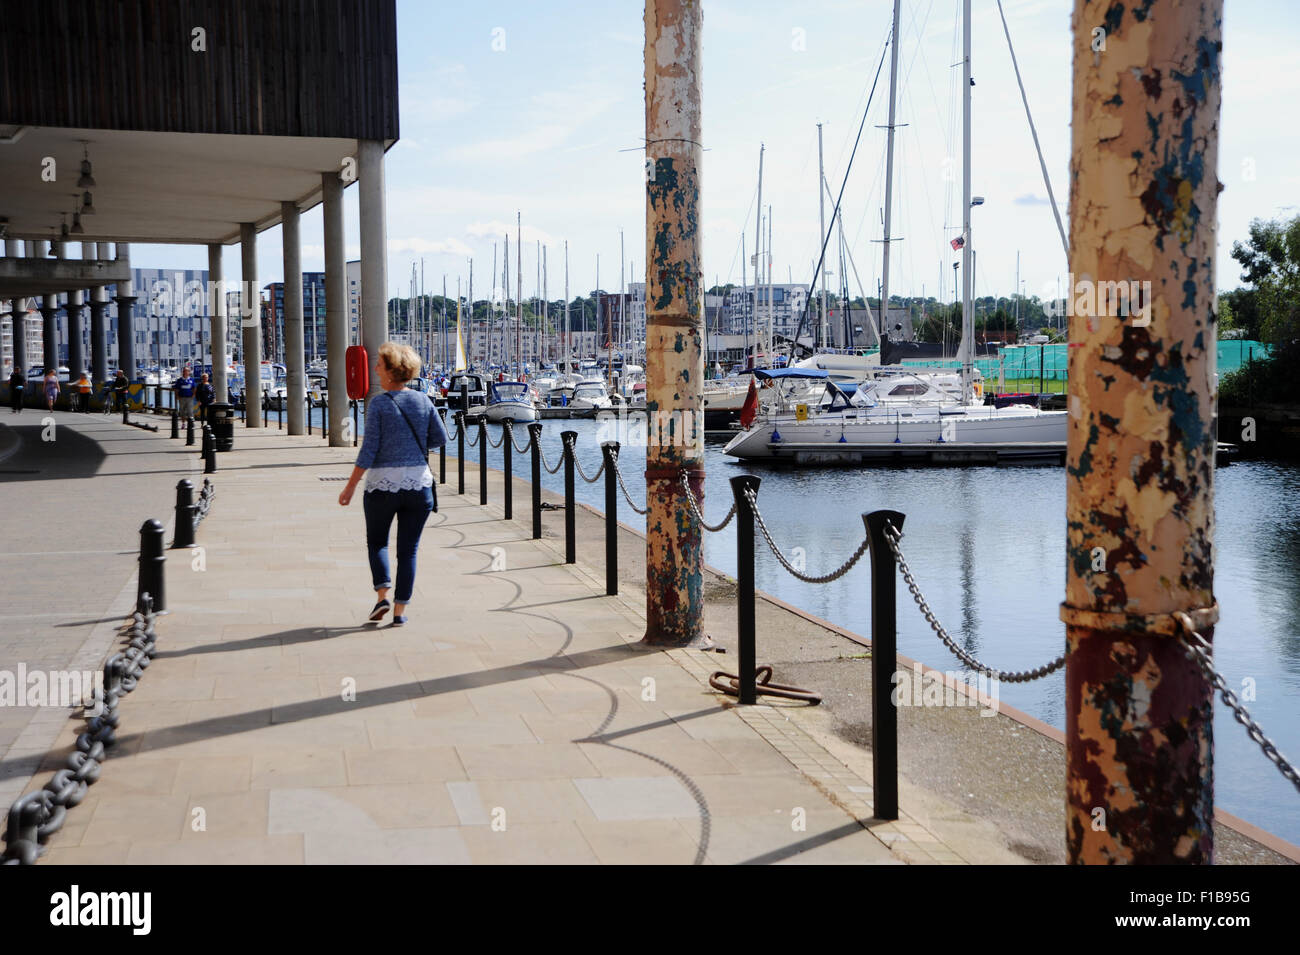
(988, 549)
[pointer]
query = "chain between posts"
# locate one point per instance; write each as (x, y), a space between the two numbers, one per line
(618, 473)
(835, 574)
(35, 817)
(518, 450)
(893, 537)
(499, 442)
(699, 514)
(558, 464)
(471, 441)
(1199, 650)
(583, 474)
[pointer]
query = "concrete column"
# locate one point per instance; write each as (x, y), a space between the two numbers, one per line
(295, 384)
(98, 327)
(250, 319)
(674, 322)
(1139, 714)
(18, 308)
(374, 252)
(217, 323)
(76, 350)
(125, 299)
(336, 310)
(50, 331)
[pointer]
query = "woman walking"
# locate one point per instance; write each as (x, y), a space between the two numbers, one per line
(401, 428)
(51, 387)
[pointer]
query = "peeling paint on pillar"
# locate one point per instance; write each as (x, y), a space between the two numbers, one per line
(674, 320)
(1143, 198)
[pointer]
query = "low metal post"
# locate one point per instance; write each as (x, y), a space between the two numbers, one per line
(176, 429)
(153, 559)
(535, 444)
(279, 415)
(325, 414)
(189, 433)
(210, 450)
(482, 460)
(126, 406)
(184, 535)
(460, 452)
(442, 452)
(609, 449)
(884, 661)
(356, 424)
(507, 464)
(464, 397)
(266, 411)
(570, 523)
(307, 399)
(747, 667)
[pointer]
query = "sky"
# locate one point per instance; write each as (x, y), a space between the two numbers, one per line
(510, 107)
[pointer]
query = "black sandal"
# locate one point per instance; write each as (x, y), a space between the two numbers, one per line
(380, 610)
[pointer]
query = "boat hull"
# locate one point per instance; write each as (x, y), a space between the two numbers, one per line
(515, 411)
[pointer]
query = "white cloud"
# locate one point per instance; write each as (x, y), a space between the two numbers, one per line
(495, 228)
(426, 247)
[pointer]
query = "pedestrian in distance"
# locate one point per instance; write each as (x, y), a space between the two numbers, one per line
(205, 394)
(17, 385)
(121, 389)
(401, 428)
(185, 387)
(51, 388)
(83, 392)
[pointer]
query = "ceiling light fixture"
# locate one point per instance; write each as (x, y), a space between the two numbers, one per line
(87, 204)
(87, 180)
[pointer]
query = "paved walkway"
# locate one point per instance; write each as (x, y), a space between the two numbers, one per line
(515, 719)
(74, 490)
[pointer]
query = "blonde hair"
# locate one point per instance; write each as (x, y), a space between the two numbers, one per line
(401, 360)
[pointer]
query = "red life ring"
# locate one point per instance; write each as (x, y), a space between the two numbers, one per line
(358, 365)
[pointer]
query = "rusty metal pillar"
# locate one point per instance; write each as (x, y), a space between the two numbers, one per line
(1140, 504)
(674, 322)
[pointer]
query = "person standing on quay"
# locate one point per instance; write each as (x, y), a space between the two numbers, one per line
(184, 388)
(83, 392)
(17, 385)
(205, 394)
(401, 428)
(51, 387)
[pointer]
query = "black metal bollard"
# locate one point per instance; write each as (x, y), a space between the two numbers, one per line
(184, 536)
(442, 452)
(507, 463)
(570, 515)
(189, 433)
(884, 661)
(610, 450)
(460, 452)
(308, 400)
(535, 443)
(153, 560)
(126, 407)
(176, 430)
(209, 450)
(279, 415)
(325, 414)
(266, 411)
(464, 396)
(482, 460)
(356, 427)
(747, 666)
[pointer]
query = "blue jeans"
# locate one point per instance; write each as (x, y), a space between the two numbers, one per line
(411, 508)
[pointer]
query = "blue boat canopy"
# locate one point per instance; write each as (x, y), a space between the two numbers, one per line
(766, 373)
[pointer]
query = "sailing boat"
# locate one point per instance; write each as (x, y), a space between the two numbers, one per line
(909, 419)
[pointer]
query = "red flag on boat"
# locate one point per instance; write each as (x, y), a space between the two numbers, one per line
(958, 242)
(750, 409)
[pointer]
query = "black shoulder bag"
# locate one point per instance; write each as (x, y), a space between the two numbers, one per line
(422, 445)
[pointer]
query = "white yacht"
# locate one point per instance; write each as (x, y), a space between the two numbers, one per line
(511, 401)
(896, 418)
(591, 394)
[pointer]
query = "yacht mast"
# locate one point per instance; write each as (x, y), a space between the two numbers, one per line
(758, 246)
(967, 319)
(889, 172)
(770, 329)
(821, 201)
(519, 297)
(564, 354)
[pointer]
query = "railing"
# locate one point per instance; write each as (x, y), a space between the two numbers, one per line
(882, 539)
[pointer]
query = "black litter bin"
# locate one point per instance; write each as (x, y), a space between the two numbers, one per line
(221, 416)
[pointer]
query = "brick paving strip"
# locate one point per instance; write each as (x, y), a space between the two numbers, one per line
(515, 719)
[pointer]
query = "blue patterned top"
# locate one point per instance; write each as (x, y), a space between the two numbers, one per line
(392, 459)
